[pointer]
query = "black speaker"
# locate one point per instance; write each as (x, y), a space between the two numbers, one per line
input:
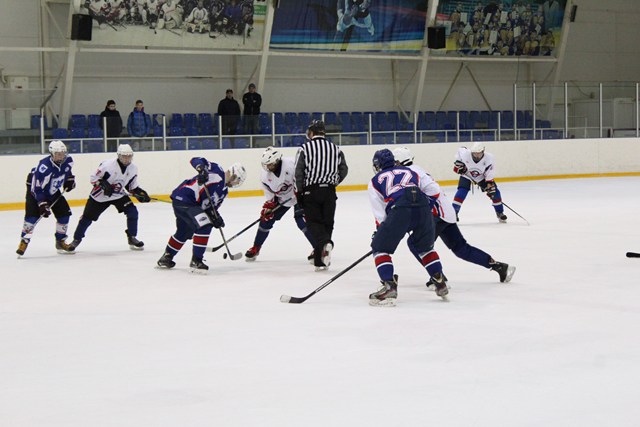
(81, 27)
(435, 38)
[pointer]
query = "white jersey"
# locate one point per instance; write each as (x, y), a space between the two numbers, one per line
(280, 187)
(170, 10)
(198, 15)
(443, 207)
(152, 6)
(477, 171)
(120, 181)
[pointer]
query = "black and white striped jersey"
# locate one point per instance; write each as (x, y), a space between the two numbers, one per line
(319, 161)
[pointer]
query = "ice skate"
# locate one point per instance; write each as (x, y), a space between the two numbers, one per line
(64, 248)
(505, 271)
(22, 246)
(311, 256)
(432, 282)
(166, 261)
(198, 267)
(440, 284)
(74, 244)
(252, 253)
(387, 294)
(501, 217)
(326, 254)
(134, 243)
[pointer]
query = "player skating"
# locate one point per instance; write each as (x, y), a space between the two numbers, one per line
(400, 207)
(277, 179)
(112, 183)
(45, 186)
(477, 166)
(195, 204)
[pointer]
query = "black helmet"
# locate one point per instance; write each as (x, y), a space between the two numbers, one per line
(317, 127)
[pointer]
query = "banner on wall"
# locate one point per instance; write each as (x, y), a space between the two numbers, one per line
(350, 25)
(198, 24)
(501, 28)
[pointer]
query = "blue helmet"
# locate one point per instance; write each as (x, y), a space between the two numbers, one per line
(383, 159)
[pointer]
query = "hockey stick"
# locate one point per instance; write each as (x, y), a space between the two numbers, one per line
(633, 255)
(215, 248)
(299, 300)
(509, 207)
(233, 257)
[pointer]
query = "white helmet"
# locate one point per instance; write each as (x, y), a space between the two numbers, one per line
(477, 147)
(237, 175)
(57, 146)
(403, 156)
(270, 156)
(125, 150)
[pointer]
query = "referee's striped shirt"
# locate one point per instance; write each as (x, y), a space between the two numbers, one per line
(323, 162)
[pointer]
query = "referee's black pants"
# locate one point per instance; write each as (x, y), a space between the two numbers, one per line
(319, 202)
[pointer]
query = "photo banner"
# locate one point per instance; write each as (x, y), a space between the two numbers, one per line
(190, 24)
(501, 28)
(395, 26)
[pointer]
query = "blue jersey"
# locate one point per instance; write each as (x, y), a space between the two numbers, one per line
(48, 178)
(193, 194)
(388, 187)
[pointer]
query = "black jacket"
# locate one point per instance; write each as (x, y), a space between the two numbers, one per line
(252, 103)
(114, 122)
(229, 107)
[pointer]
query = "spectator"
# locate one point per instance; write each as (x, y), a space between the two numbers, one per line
(138, 123)
(114, 121)
(229, 110)
(252, 102)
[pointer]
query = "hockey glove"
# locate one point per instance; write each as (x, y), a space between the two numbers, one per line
(45, 209)
(70, 183)
(267, 210)
(107, 189)
(459, 167)
(483, 185)
(141, 195)
(491, 189)
(215, 218)
(203, 175)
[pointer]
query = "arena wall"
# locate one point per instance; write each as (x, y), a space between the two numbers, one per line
(161, 172)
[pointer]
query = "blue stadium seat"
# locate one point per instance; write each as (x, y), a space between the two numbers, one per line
(177, 144)
(237, 143)
(35, 122)
(209, 144)
(404, 138)
(176, 121)
(441, 120)
(60, 133)
(331, 119)
(93, 146)
(95, 133)
(175, 131)
(94, 121)
(77, 132)
(73, 146)
(359, 122)
(78, 121)
(190, 120)
(191, 131)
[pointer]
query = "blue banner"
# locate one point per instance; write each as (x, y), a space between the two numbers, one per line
(350, 25)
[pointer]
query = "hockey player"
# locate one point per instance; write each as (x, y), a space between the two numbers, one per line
(45, 183)
(476, 166)
(112, 183)
(278, 184)
(354, 13)
(400, 207)
(198, 19)
(170, 15)
(148, 10)
(195, 204)
(446, 227)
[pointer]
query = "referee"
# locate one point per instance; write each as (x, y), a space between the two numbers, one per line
(320, 167)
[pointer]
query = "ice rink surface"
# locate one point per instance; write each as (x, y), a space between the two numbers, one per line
(102, 338)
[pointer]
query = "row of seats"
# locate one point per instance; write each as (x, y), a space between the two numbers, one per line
(192, 124)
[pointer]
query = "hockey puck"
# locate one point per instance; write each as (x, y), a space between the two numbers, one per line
(224, 256)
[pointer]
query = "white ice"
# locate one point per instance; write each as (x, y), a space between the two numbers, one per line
(102, 338)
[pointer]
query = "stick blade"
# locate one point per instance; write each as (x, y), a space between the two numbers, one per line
(236, 257)
(633, 255)
(292, 300)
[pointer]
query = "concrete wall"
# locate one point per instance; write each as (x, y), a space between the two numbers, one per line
(161, 172)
